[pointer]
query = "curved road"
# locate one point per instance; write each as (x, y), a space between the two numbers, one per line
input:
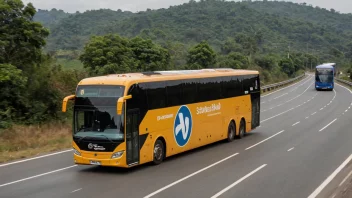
(304, 137)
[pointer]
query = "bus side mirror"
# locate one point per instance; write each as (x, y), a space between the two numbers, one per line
(120, 102)
(64, 103)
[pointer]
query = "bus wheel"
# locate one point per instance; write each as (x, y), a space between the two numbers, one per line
(242, 130)
(158, 152)
(231, 132)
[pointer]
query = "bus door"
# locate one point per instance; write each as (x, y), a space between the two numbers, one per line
(132, 136)
(255, 99)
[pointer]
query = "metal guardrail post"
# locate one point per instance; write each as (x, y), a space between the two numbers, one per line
(280, 84)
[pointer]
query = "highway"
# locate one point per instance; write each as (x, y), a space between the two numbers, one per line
(305, 135)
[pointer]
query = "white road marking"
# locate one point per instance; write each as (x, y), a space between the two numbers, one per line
(265, 140)
(290, 149)
(307, 117)
(328, 125)
(344, 180)
(76, 190)
(276, 115)
(237, 182)
(29, 159)
(346, 110)
(330, 178)
(313, 113)
(285, 87)
(295, 123)
(280, 96)
(344, 87)
(321, 109)
(188, 176)
(28, 178)
(290, 99)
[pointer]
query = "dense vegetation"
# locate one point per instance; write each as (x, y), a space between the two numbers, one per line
(280, 39)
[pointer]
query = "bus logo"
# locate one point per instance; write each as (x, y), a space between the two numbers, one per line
(183, 126)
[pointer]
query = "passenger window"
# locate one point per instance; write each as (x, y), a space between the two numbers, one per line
(189, 91)
(174, 93)
(156, 92)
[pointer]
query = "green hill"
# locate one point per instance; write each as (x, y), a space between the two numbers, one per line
(281, 26)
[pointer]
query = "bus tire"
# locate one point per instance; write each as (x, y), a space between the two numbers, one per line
(158, 152)
(231, 132)
(242, 129)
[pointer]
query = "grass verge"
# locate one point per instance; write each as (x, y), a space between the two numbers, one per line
(27, 141)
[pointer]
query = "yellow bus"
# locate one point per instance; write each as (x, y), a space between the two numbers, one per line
(125, 120)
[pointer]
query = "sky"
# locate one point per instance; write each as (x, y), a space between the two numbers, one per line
(343, 6)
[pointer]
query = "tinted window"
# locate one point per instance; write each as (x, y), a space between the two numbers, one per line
(189, 90)
(248, 83)
(209, 89)
(232, 86)
(174, 93)
(156, 92)
(139, 97)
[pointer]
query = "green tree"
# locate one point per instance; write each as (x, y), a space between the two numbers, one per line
(201, 56)
(12, 86)
(108, 54)
(234, 60)
(112, 54)
(148, 55)
(287, 66)
(21, 39)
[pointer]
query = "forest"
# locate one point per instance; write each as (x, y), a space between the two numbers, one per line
(45, 53)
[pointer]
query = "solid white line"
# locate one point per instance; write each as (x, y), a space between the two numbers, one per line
(328, 125)
(344, 87)
(330, 178)
(188, 176)
(237, 182)
(16, 162)
(76, 190)
(313, 113)
(265, 140)
(290, 149)
(28, 178)
(344, 180)
(295, 123)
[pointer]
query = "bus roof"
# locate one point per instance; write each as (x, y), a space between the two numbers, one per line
(127, 78)
(325, 66)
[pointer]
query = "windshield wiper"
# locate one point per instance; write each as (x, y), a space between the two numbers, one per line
(106, 138)
(79, 140)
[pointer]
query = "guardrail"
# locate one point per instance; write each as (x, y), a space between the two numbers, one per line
(266, 88)
(344, 82)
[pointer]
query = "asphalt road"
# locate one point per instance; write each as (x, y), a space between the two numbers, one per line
(304, 137)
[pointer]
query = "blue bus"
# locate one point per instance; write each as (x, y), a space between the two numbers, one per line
(324, 76)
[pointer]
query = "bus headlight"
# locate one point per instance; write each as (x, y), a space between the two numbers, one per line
(76, 152)
(117, 155)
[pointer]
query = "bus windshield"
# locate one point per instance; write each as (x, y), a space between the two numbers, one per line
(95, 112)
(97, 122)
(324, 75)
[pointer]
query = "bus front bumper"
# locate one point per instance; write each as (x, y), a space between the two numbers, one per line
(119, 162)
